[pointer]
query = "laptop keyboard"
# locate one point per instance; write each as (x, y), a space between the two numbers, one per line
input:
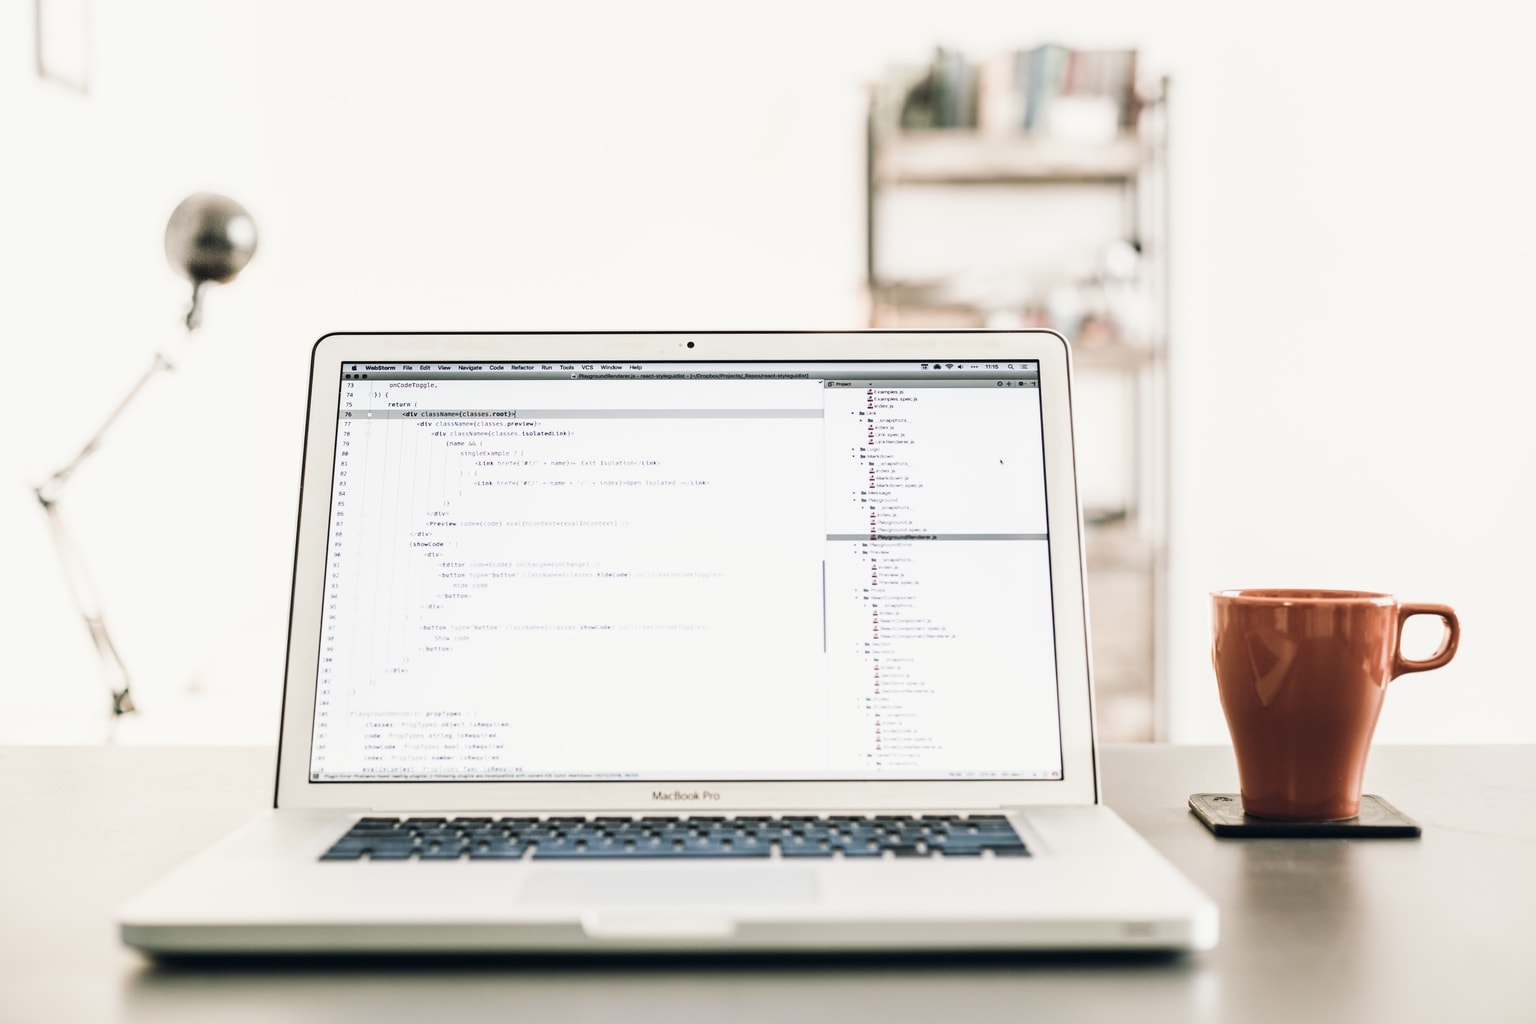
(574, 838)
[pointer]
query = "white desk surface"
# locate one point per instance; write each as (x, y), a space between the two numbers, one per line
(1442, 928)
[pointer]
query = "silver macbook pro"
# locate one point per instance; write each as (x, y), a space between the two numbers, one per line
(684, 642)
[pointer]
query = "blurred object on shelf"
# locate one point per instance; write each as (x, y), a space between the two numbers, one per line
(1049, 90)
(1102, 303)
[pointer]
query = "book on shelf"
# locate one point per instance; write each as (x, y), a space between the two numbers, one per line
(943, 97)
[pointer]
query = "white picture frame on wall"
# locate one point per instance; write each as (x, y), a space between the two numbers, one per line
(62, 33)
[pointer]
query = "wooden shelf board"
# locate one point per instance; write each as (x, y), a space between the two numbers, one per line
(1111, 356)
(1103, 356)
(961, 157)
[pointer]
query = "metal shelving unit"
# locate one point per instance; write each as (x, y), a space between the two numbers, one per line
(1126, 538)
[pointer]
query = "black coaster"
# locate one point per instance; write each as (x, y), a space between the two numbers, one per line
(1223, 815)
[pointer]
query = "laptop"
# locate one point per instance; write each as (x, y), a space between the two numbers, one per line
(684, 642)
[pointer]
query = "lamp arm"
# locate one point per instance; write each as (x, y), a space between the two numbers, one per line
(87, 601)
(49, 490)
(77, 576)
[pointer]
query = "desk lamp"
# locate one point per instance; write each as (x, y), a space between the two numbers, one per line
(209, 239)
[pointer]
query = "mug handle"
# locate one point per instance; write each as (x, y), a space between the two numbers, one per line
(1448, 642)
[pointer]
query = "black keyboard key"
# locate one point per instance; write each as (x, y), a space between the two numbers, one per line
(498, 851)
(806, 850)
(436, 852)
(1009, 851)
(860, 850)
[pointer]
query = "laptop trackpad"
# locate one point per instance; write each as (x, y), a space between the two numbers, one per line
(624, 887)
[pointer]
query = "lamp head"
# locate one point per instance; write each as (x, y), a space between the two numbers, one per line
(209, 238)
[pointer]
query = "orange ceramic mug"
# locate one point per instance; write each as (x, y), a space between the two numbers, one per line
(1302, 674)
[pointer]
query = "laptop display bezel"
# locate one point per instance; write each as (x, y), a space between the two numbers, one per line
(1078, 784)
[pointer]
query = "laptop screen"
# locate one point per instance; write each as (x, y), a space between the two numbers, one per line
(676, 571)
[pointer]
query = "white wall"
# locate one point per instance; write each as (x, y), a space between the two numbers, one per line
(1352, 258)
